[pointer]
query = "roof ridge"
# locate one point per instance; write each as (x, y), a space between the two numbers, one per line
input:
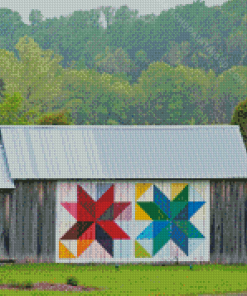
(119, 126)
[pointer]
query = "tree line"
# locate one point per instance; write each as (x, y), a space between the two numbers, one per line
(162, 95)
(136, 70)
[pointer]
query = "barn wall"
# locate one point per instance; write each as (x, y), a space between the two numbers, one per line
(32, 222)
(122, 222)
(27, 223)
(228, 222)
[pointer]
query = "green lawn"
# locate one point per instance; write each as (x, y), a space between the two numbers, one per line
(132, 280)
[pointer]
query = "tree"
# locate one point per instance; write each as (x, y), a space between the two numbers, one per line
(95, 98)
(94, 16)
(225, 93)
(79, 20)
(11, 113)
(239, 117)
(10, 110)
(11, 28)
(148, 17)
(9, 22)
(62, 117)
(237, 46)
(168, 95)
(37, 76)
(177, 53)
(238, 8)
(141, 59)
(108, 13)
(79, 64)
(35, 17)
(116, 62)
(124, 14)
(92, 49)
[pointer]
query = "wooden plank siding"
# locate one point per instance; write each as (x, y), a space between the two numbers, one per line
(2, 215)
(228, 222)
(12, 223)
(32, 222)
(27, 222)
(4, 226)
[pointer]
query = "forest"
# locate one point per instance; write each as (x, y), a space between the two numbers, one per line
(187, 65)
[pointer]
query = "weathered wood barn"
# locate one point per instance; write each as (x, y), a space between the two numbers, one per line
(123, 194)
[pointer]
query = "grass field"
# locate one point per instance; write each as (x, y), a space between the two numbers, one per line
(131, 279)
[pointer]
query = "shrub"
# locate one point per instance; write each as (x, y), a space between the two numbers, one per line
(27, 284)
(72, 281)
(61, 117)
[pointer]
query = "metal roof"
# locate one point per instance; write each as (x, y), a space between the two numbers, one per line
(124, 152)
(5, 181)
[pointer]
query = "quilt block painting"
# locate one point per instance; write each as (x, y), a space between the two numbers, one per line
(132, 221)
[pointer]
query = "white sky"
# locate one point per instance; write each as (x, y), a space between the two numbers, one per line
(56, 8)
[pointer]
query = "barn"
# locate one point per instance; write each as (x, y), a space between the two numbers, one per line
(123, 194)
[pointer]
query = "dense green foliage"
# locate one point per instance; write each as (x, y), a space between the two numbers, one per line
(10, 110)
(184, 66)
(240, 118)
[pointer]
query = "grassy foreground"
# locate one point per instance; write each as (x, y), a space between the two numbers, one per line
(131, 279)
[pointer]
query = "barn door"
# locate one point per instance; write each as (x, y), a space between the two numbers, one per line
(132, 222)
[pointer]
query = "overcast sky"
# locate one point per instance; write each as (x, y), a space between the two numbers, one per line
(56, 8)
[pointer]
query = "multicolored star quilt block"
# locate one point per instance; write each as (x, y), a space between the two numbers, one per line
(170, 217)
(94, 223)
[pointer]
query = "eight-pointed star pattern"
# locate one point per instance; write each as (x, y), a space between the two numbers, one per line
(170, 219)
(95, 219)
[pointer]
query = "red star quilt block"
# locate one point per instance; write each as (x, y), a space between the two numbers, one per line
(94, 222)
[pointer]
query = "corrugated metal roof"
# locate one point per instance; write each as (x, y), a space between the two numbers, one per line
(125, 152)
